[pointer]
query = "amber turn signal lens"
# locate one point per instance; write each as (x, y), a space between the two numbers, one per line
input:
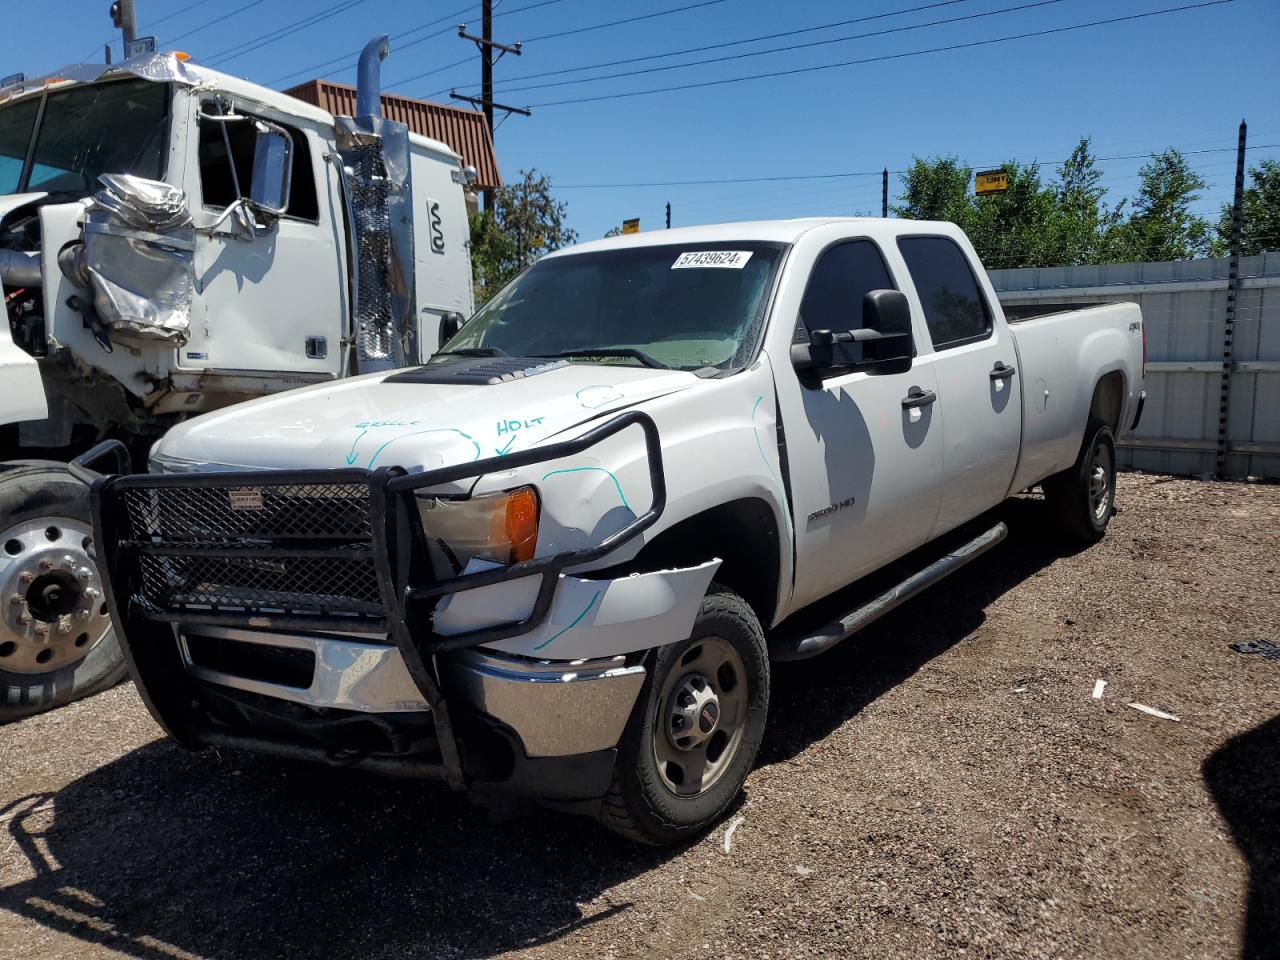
(522, 523)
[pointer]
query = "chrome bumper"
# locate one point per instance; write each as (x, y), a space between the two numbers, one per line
(557, 708)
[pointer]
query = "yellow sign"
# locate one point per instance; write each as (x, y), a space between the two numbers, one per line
(631, 226)
(991, 181)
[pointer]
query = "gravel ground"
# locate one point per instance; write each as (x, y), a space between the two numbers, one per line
(943, 785)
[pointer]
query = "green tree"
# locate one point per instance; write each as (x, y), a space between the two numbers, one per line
(1260, 209)
(526, 222)
(1082, 221)
(1162, 226)
(1016, 228)
(936, 189)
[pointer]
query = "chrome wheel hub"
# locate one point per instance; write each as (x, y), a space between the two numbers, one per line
(51, 608)
(701, 714)
(1100, 487)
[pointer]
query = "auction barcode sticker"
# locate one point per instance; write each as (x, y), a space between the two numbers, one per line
(725, 259)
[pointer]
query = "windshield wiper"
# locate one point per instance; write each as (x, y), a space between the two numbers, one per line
(643, 357)
(472, 352)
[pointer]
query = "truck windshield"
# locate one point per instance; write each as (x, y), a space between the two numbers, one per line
(116, 127)
(688, 307)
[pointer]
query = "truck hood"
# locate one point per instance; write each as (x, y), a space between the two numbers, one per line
(377, 420)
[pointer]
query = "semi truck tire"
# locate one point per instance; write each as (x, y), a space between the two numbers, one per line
(696, 728)
(1083, 497)
(56, 639)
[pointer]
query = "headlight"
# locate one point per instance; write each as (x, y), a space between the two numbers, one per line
(502, 527)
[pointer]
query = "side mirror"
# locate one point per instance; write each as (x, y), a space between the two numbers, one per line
(885, 335)
(272, 168)
(887, 314)
(450, 324)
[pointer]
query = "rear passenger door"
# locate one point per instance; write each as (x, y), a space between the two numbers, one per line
(870, 470)
(975, 364)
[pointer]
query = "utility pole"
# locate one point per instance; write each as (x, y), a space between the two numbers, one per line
(486, 45)
(884, 193)
(123, 16)
(668, 216)
(1233, 289)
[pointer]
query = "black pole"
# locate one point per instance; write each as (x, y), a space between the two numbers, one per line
(123, 16)
(1233, 288)
(884, 193)
(668, 216)
(486, 78)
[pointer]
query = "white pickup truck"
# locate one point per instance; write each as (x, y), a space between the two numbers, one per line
(558, 558)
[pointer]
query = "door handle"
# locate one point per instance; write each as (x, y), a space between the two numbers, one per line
(918, 398)
(1001, 372)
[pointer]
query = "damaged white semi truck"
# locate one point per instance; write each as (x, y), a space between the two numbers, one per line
(558, 558)
(172, 240)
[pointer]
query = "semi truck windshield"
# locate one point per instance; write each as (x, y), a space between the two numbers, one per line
(84, 131)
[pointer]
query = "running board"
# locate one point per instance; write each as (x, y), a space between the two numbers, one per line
(810, 645)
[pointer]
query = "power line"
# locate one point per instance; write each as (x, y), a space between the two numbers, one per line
(347, 57)
(643, 16)
(735, 43)
(885, 57)
(565, 33)
(212, 23)
(870, 173)
(451, 19)
(176, 13)
(786, 49)
(235, 53)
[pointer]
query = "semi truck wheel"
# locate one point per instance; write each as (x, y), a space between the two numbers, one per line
(1083, 497)
(56, 639)
(696, 729)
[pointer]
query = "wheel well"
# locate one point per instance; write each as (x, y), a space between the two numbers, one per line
(1108, 400)
(742, 533)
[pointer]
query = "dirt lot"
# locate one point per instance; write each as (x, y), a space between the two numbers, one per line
(944, 785)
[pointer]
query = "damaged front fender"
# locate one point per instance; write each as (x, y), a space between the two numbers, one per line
(588, 618)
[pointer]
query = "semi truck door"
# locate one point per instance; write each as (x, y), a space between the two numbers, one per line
(865, 469)
(977, 379)
(273, 303)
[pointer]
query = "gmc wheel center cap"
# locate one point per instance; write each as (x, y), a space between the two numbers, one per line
(708, 717)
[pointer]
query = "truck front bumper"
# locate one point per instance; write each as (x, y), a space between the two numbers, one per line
(294, 613)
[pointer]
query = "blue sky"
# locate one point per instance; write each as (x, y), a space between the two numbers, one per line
(1183, 79)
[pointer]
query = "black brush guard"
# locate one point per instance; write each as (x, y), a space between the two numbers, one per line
(379, 529)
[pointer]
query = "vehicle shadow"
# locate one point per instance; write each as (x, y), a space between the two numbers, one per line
(164, 853)
(811, 698)
(1244, 778)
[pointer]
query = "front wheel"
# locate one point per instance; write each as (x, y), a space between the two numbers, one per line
(1083, 497)
(56, 639)
(695, 732)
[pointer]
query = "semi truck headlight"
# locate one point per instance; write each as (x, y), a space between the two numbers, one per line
(502, 527)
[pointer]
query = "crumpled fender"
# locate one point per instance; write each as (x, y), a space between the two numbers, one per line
(588, 618)
(23, 390)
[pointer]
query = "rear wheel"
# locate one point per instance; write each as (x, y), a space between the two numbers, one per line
(696, 730)
(56, 639)
(1083, 496)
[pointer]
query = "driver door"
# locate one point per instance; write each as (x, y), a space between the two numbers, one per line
(274, 303)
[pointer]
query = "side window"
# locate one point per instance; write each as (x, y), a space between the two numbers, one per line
(955, 310)
(843, 275)
(16, 124)
(216, 182)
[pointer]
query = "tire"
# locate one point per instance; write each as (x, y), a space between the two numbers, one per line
(58, 618)
(647, 801)
(1082, 497)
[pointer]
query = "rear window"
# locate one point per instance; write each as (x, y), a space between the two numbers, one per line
(955, 310)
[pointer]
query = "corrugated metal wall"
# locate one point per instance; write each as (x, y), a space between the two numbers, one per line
(1183, 306)
(463, 130)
